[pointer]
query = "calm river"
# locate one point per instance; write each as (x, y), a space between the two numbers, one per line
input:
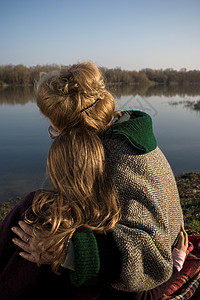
(24, 138)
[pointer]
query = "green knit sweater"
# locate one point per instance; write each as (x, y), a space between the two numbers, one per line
(151, 211)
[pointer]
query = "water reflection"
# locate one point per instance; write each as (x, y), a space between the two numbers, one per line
(158, 90)
(24, 141)
(16, 95)
(194, 105)
(19, 95)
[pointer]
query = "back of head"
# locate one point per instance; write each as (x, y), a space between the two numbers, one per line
(76, 95)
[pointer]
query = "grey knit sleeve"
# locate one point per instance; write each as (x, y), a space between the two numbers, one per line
(151, 215)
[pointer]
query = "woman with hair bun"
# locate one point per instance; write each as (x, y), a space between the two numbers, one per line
(113, 214)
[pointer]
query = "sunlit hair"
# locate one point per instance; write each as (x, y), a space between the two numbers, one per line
(61, 95)
(83, 196)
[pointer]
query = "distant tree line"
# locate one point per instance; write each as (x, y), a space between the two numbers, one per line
(16, 75)
(22, 75)
(152, 77)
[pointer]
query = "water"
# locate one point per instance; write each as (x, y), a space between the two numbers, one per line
(24, 140)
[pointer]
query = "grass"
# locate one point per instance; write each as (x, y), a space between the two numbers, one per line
(189, 190)
(5, 207)
(4, 210)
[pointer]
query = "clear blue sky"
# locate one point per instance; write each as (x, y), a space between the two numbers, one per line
(131, 34)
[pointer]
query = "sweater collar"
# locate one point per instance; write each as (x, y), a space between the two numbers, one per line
(136, 127)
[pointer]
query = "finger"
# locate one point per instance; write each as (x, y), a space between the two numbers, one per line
(186, 239)
(24, 246)
(181, 238)
(28, 229)
(182, 228)
(28, 256)
(185, 235)
(21, 234)
(178, 244)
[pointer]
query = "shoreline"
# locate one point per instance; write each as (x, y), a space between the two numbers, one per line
(189, 190)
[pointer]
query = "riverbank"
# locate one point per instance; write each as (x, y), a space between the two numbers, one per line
(189, 190)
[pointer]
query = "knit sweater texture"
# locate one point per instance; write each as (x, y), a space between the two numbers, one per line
(150, 203)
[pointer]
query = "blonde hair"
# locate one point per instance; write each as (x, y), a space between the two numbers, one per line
(61, 95)
(84, 197)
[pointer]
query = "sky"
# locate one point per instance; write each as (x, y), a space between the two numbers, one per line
(131, 34)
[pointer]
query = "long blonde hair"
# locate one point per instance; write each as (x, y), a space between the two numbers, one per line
(83, 196)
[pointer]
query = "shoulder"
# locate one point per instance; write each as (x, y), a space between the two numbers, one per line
(26, 202)
(19, 209)
(135, 127)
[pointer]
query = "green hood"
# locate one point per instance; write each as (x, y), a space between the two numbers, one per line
(136, 126)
